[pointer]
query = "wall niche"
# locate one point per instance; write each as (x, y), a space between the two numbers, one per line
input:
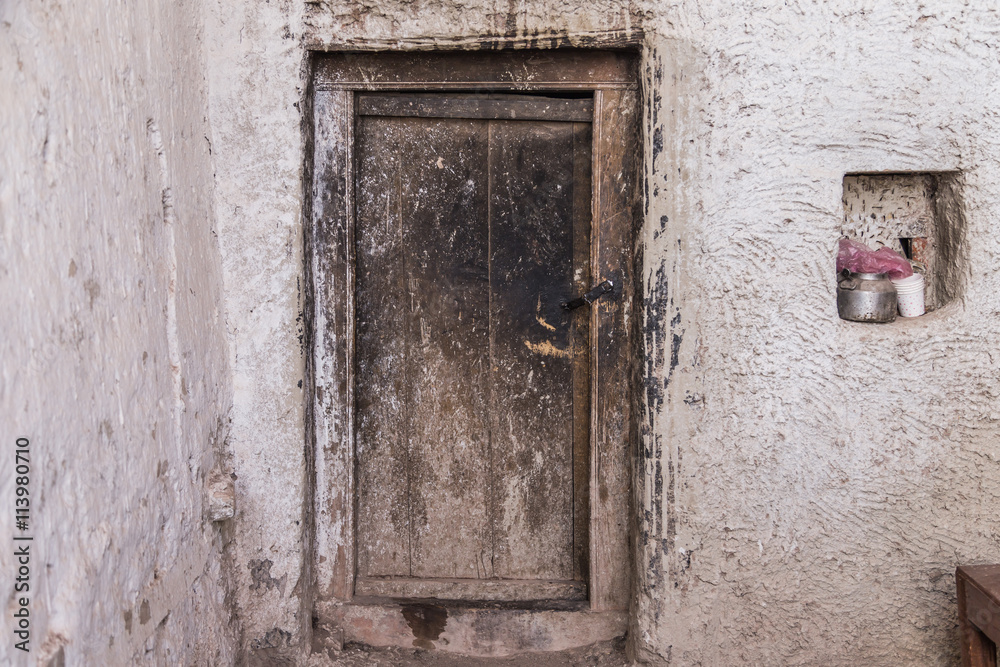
(919, 215)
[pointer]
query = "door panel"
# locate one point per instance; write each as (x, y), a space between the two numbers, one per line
(423, 295)
(531, 273)
(382, 306)
(472, 383)
(445, 213)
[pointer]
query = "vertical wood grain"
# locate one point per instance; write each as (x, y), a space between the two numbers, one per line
(331, 233)
(383, 348)
(580, 344)
(445, 208)
(615, 150)
(597, 530)
(531, 409)
(423, 297)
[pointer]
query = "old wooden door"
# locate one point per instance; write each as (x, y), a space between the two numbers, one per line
(470, 438)
(473, 383)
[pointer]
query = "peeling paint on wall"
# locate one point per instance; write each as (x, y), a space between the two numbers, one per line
(804, 487)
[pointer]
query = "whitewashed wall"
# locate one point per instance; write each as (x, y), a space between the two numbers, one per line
(807, 485)
(821, 479)
(257, 79)
(113, 356)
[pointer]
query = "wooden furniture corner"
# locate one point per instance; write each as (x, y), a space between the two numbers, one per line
(979, 613)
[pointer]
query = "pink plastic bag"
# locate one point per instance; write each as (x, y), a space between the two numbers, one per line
(859, 258)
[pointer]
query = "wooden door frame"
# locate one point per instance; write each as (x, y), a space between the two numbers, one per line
(612, 77)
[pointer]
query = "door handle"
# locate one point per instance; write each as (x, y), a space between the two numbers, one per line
(599, 290)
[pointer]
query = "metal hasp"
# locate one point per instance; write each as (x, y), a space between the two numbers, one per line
(591, 296)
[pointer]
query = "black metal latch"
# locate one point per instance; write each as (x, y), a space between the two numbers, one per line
(591, 296)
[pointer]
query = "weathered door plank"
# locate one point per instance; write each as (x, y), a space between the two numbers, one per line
(382, 313)
(422, 346)
(332, 364)
(506, 107)
(531, 405)
(580, 344)
(445, 204)
(491, 590)
(614, 169)
(484, 70)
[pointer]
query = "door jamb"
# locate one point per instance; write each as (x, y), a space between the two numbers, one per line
(330, 266)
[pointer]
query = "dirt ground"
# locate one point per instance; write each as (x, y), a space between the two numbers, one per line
(602, 654)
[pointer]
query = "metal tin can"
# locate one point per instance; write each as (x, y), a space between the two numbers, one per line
(866, 297)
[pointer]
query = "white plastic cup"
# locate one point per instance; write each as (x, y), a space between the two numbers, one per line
(910, 295)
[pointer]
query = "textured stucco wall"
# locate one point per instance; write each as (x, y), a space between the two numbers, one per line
(113, 358)
(806, 485)
(821, 479)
